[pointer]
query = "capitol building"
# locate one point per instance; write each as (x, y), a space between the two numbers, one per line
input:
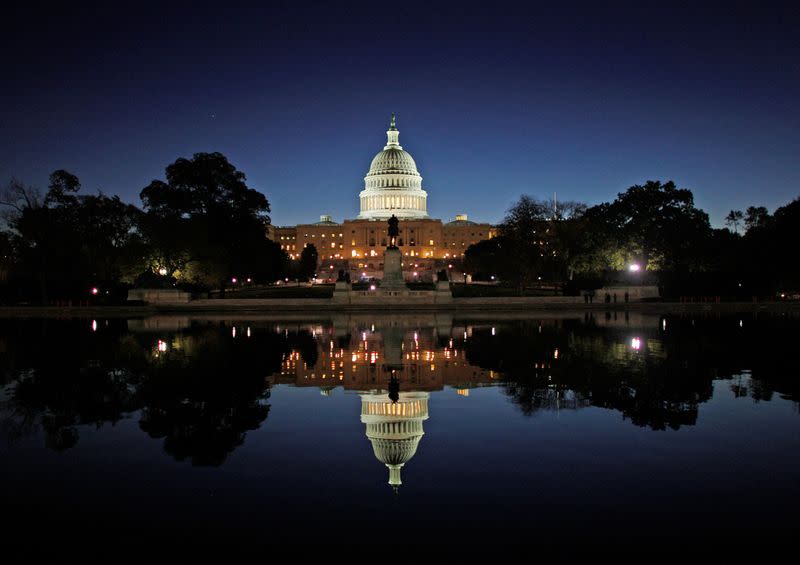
(392, 186)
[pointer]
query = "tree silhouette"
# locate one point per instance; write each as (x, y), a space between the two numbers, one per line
(756, 217)
(733, 219)
(307, 266)
(201, 394)
(68, 243)
(658, 224)
(206, 223)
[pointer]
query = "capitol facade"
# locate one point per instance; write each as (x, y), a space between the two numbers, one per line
(392, 186)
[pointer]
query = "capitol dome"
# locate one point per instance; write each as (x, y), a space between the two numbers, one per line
(393, 186)
(392, 161)
(394, 428)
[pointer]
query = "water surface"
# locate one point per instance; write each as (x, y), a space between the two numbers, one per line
(429, 428)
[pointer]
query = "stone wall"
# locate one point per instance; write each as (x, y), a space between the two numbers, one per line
(636, 293)
(158, 296)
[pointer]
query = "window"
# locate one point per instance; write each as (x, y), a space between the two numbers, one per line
(383, 242)
(372, 242)
(400, 241)
(411, 242)
(430, 242)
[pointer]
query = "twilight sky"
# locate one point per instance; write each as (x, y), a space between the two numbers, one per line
(493, 99)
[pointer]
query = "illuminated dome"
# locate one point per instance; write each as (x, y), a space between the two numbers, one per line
(392, 160)
(393, 186)
(394, 428)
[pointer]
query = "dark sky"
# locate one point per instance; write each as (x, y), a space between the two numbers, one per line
(493, 99)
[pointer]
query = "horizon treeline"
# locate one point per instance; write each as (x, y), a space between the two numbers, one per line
(651, 233)
(203, 226)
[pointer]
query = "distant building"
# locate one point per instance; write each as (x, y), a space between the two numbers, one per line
(393, 186)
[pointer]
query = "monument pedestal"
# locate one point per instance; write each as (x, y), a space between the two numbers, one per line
(341, 292)
(392, 270)
(443, 293)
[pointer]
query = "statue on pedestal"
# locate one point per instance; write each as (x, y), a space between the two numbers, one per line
(393, 261)
(394, 231)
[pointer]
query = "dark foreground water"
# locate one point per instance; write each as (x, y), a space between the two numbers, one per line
(471, 433)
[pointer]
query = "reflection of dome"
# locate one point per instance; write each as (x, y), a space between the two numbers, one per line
(393, 184)
(394, 429)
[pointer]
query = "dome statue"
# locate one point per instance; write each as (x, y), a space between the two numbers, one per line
(394, 428)
(393, 186)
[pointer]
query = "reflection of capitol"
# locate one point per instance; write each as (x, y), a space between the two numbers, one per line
(363, 358)
(394, 428)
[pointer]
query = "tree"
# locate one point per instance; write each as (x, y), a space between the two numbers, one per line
(567, 238)
(596, 247)
(490, 257)
(756, 217)
(658, 225)
(307, 266)
(775, 252)
(44, 232)
(568, 210)
(69, 242)
(733, 219)
(31, 228)
(539, 239)
(7, 255)
(523, 231)
(206, 224)
(62, 188)
(111, 246)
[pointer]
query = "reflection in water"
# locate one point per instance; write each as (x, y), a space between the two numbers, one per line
(394, 428)
(198, 389)
(200, 386)
(99, 414)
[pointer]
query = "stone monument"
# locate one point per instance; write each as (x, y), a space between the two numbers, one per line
(392, 261)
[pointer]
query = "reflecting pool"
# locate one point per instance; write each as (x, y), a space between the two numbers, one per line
(343, 430)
